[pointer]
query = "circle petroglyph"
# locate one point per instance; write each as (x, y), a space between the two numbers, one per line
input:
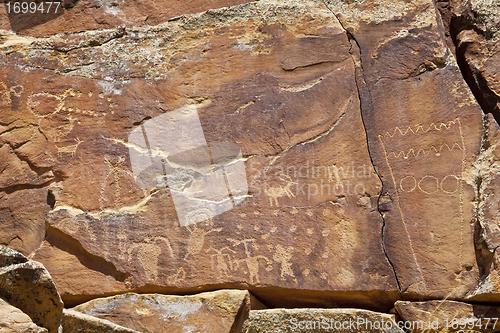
(408, 184)
(450, 184)
(429, 184)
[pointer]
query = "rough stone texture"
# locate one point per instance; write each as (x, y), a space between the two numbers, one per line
(28, 286)
(320, 320)
(9, 257)
(13, 320)
(287, 99)
(22, 214)
(424, 133)
(449, 316)
(475, 32)
(362, 144)
(79, 15)
(24, 170)
(221, 311)
(488, 228)
(77, 322)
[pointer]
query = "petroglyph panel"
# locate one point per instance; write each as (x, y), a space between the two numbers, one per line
(420, 150)
(423, 145)
(308, 219)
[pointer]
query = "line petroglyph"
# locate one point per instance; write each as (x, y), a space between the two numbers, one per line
(415, 145)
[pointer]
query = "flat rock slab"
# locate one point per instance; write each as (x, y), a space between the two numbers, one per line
(13, 320)
(320, 320)
(74, 321)
(449, 316)
(220, 311)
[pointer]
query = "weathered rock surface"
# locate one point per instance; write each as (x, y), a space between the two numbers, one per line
(221, 311)
(449, 316)
(10, 257)
(488, 227)
(337, 162)
(474, 31)
(27, 285)
(22, 215)
(79, 15)
(320, 320)
(13, 320)
(308, 232)
(424, 133)
(74, 321)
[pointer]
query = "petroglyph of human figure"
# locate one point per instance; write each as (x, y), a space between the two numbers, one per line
(284, 255)
(222, 260)
(252, 262)
(148, 252)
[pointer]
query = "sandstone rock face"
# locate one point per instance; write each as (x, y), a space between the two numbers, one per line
(474, 32)
(449, 316)
(78, 15)
(74, 321)
(320, 320)
(309, 219)
(488, 233)
(316, 153)
(220, 311)
(22, 215)
(28, 286)
(424, 132)
(13, 320)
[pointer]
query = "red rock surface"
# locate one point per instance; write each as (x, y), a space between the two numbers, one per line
(449, 316)
(13, 320)
(261, 102)
(324, 154)
(79, 15)
(424, 131)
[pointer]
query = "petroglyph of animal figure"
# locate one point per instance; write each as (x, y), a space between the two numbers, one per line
(62, 131)
(46, 104)
(279, 191)
(69, 149)
(197, 240)
(252, 262)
